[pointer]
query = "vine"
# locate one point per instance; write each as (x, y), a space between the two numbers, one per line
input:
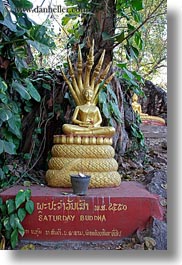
(12, 214)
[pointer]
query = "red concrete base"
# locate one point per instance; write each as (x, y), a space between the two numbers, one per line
(104, 214)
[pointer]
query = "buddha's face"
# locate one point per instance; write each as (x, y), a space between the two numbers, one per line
(135, 98)
(88, 93)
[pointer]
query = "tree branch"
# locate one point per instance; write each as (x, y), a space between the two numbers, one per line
(156, 66)
(133, 31)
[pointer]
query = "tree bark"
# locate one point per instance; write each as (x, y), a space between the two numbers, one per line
(100, 26)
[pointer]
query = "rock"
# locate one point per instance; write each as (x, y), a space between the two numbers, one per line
(148, 169)
(150, 243)
(164, 145)
(139, 246)
(158, 179)
(159, 234)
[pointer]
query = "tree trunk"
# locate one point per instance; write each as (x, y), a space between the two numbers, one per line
(155, 101)
(100, 26)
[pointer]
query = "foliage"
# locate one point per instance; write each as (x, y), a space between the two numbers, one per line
(25, 89)
(148, 39)
(12, 214)
(109, 105)
(18, 35)
(140, 32)
(137, 138)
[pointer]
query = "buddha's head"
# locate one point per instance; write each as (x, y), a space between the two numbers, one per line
(135, 98)
(88, 94)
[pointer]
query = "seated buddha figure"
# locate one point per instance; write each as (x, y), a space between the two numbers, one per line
(146, 119)
(87, 119)
(136, 106)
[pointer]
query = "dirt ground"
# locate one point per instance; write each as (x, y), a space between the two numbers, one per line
(152, 174)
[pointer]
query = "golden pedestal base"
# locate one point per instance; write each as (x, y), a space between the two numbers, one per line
(152, 120)
(90, 155)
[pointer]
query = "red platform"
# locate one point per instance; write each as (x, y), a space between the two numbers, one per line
(104, 214)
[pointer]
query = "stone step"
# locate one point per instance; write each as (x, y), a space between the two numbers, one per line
(150, 131)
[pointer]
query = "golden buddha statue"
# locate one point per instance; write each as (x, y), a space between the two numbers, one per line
(87, 119)
(85, 145)
(146, 119)
(135, 105)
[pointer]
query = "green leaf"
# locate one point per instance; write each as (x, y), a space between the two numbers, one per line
(134, 53)
(130, 28)
(28, 106)
(12, 220)
(14, 238)
(105, 111)
(25, 4)
(23, 21)
(115, 110)
(5, 169)
(120, 37)
(137, 76)
(102, 96)
(27, 156)
(138, 40)
(21, 90)
(42, 48)
(7, 147)
(20, 198)
(3, 97)
(9, 23)
(132, 82)
(3, 11)
(28, 194)
(137, 16)
(1, 146)
(15, 125)
(21, 214)
(121, 65)
(40, 40)
(2, 176)
(106, 36)
(21, 230)
(5, 114)
(6, 224)
(127, 75)
(111, 92)
(46, 86)
(29, 206)
(65, 20)
(10, 206)
(38, 130)
(137, 4)
(20, 63)
(32, 90)
(3, 209)
(3, 86)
